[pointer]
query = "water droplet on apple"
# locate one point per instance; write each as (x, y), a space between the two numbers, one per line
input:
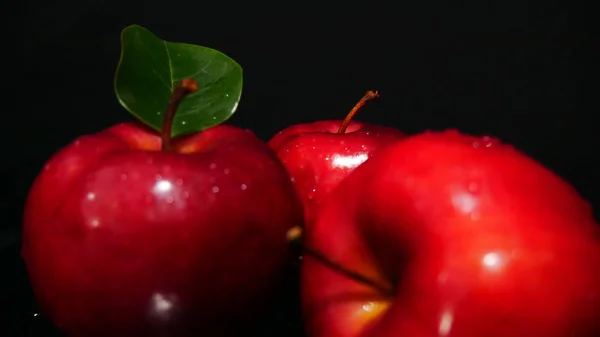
(212, 166)
(150, 160)
(158, 177)
(243, 187)
(292, 179)
(159, 113)
(327, 158)
(179, 182)
(214, 117)
(169, 200)
(369, 306)
(363, 147)
(185, 194)
(123, 176)
(226, 171)
(314, 147)
(47, 167)
(183, 122)
(476, 144)
(215, 189)
(91, 196)
(95, 223)
(77, 142)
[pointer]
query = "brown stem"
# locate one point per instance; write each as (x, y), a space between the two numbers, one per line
(295, 236)
(182, 89)
(367, 97)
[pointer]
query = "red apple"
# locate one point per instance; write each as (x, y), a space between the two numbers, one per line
(124, 239)
(319, 155)
(459, 236)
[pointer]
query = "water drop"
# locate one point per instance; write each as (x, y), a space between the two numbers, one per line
(179, 182)
(185, 194)
(212, 166)
(47, 167)
(215, 189)
(183, 122)
(158, 177)
(292, 179)
(77, 142)
(214, 117)
(123, 176)
(226, 171)
(150, 160)
(369, 306)
(243, 186)
(314, 147)
(159, 113)
(476, 144)
(169, 200)
(91, 196)
(327, 158)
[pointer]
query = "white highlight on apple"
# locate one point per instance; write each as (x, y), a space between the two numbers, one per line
(162, 186)
(446, 322)
(492, 261)
(464, 202)
(162, 306)
(349, 161)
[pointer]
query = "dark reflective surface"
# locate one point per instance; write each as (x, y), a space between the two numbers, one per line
(23, 318)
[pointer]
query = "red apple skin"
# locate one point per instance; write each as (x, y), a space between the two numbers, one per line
(318, 158)
(477, 238)
(121, 239)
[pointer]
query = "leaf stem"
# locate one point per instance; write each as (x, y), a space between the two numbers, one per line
(182, 89)
(295, 236)
(367, 97)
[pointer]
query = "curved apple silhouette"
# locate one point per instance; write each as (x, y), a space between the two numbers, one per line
(319, 155)
(123, 239)
(460, 236)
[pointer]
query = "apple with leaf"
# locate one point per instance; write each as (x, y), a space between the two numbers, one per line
(172, 226)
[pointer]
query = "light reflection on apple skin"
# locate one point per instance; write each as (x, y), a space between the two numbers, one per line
(318, 158)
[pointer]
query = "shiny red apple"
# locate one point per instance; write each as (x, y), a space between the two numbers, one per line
(458, 236)
(126, 236)
(319, 155)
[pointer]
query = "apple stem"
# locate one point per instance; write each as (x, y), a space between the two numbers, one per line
(295, 236)
(370, 95)
(182, 89)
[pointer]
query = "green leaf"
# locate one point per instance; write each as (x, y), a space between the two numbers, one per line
(149, 67)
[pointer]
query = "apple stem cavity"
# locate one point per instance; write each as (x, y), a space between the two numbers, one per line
(370, 95)
(181, 90)
(295, 236)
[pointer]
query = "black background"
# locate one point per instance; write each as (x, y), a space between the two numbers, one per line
(504, 68)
